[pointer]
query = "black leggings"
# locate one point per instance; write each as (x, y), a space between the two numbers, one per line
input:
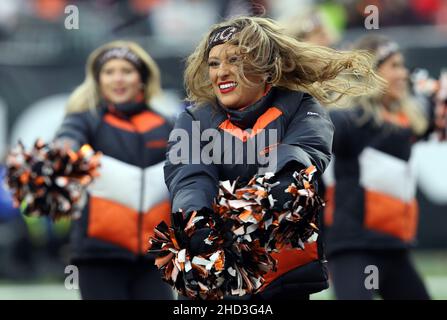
(398, 278)
(122, 280)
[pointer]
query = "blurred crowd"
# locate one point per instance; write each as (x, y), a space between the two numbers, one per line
(33, 248)
(172, 18)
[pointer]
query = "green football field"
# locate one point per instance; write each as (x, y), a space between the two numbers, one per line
(431, 264)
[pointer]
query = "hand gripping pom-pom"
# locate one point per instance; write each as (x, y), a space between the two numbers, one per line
(226, 251)
(50, 180)
(298, 224)
(208, 262)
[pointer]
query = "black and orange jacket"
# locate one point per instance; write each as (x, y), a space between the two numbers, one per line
(370, 183)
(129, 198)
(304, 136)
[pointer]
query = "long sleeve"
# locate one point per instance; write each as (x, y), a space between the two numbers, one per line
(75, 128)
(308, 138)
(192, 184)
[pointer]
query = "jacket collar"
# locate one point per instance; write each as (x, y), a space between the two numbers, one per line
(126, 110)
(246, 117)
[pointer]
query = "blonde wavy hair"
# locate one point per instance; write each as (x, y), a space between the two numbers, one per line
(87, 95)
(372, 104)
(266, 49)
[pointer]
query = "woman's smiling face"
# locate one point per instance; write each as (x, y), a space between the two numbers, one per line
(119, 81)
(223, 71)
(393, 70)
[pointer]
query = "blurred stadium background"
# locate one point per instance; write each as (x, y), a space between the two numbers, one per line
(41, 62)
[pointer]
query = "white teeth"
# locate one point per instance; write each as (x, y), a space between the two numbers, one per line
(227, 85)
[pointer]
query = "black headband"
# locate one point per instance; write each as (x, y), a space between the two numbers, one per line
(385, 51)
(220, 36)
(121, 53)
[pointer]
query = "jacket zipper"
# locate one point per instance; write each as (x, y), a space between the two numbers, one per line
(140, 213)
(142, 187)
